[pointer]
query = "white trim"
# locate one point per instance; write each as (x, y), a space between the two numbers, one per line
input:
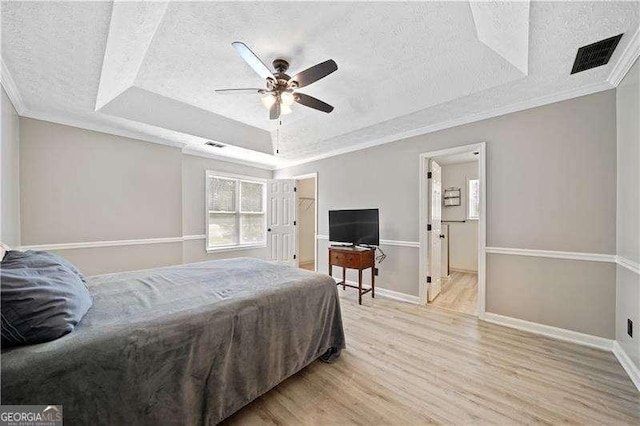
(136, 242)
(235, 176)
(237, 212)
(389, 294)
(628, 57)
(482, 222)
(313, 176)
(549, 331)
(629, 264)
(471, 118)
(194, 237)
(632, 370)
(93, 244)
(397, 243)
(592, 257)
(11, 88)
(396, 295)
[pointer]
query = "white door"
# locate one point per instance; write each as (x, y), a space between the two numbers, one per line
(444, 246)
(435, 242)
(281, 202)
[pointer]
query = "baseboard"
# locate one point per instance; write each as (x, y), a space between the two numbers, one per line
(464, 271)
(553, 332)
(632, 370)
(389, 294)
(403, 297)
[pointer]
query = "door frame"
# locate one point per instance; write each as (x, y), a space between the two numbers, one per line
(313, 175)
(482, 221)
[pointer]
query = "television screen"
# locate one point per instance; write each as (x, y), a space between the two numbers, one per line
(354, 226)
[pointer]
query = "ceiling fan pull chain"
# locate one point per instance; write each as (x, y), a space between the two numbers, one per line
(278, 136)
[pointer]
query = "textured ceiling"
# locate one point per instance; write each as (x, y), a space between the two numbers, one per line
(151, 67)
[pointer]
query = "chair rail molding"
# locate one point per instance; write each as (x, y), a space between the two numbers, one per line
(398, 243)
(112, 243)
(628, 263)
(569, 255)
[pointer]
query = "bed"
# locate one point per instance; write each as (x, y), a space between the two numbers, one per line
(188, 344)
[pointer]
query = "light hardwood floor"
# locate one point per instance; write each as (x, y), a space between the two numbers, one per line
(309, 266)
(459, 293)
(408, 364)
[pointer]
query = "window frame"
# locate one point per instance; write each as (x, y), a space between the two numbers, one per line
(468, 199)
(237, 212)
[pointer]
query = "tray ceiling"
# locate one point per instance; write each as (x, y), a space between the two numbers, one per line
(150, 68)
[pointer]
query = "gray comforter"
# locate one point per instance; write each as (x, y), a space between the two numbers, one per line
(187, 344)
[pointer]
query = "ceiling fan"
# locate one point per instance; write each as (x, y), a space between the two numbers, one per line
(280, 92)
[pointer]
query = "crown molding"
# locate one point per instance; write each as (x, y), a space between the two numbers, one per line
(11, 88)
(626, 61)
(97, 127)
(471, 118)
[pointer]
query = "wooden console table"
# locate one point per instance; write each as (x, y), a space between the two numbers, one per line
(354, 258)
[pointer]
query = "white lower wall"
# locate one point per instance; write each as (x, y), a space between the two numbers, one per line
(463, 246)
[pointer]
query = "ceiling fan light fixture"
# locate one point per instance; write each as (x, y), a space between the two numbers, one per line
(287, 98)
(268, 101)
(285, 109)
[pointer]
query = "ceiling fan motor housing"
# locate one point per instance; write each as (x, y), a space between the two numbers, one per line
(280, 65)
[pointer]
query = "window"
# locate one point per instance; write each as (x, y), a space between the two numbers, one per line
(235, 211)
(473, 199)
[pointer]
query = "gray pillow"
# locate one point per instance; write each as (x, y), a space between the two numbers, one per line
(43, 297)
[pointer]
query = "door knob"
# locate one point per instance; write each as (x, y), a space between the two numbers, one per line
(269, 230)
(441, 235)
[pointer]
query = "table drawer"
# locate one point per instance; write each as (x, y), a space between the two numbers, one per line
(346, 260)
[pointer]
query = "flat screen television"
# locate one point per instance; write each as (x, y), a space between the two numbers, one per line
(354, 226)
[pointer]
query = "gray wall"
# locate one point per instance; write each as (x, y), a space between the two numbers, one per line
(9, 173)
(628, 211)
(80, 185)
(551, 185)
(83, 186)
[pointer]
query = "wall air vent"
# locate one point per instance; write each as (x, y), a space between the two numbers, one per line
(595, 55)
(214, 144)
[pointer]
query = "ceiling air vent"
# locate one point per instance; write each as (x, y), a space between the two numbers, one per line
(595, 55)
(214, 144)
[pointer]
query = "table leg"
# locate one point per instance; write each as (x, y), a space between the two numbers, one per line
(373, 281)
(359, 286)
(344, 278)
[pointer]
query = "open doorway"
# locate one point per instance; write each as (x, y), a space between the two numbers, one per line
(306, 218)
(452, 236)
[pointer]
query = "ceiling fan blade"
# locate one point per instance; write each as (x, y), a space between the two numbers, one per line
(274, 111)
(239, 91)
(311, 102)
(315, 73)
(253, 60)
